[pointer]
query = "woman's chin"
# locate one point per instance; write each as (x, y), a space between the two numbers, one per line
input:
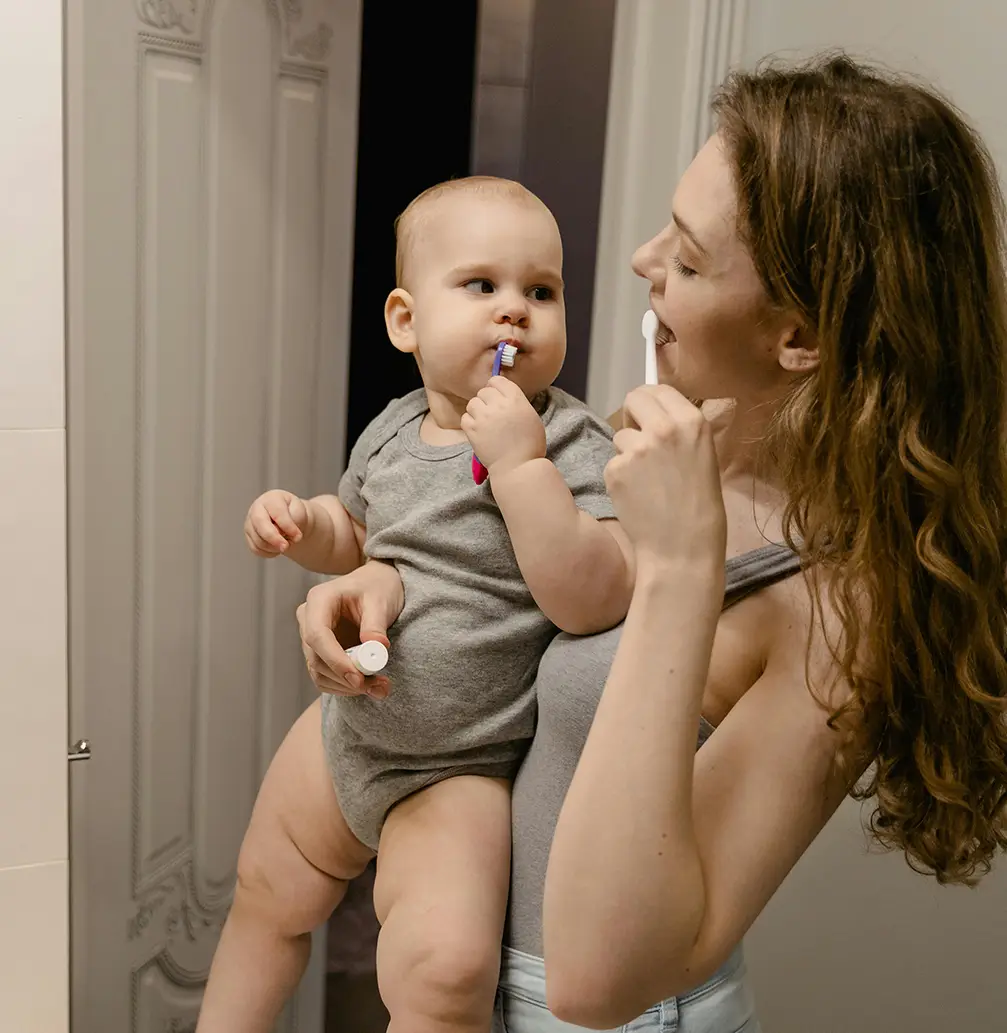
(667, 373)
(667, 366)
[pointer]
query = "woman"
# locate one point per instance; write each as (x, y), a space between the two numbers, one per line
(834, 266)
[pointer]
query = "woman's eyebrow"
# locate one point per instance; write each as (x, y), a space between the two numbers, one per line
(684, 227)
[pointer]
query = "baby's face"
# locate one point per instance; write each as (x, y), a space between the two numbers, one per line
(484, 270)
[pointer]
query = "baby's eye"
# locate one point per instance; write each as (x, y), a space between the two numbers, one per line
(479, 287)
(541, 293)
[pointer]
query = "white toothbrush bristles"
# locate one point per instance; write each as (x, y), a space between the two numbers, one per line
(649, 330)
(508, 355)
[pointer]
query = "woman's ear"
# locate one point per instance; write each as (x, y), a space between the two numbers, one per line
(798, 351)
(399, 320)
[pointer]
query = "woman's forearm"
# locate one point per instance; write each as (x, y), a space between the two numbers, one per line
(625, 882)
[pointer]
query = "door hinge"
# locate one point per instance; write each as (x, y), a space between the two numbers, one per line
(81, 750)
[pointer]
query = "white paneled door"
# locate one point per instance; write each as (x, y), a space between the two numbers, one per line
(210, 191)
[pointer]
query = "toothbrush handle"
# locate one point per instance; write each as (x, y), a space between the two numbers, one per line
(650, 362)
(479, 472)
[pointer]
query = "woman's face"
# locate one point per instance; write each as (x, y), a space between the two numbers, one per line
(719, 337)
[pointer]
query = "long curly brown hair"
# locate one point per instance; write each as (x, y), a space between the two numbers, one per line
(872, 209)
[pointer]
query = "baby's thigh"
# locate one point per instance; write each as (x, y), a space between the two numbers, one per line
(298, 851)
(442, 882)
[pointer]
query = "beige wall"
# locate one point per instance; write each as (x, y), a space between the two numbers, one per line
(646, 116)
(33, 686)
(853, 942)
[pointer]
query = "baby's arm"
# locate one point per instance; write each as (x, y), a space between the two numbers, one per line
(333, 542)
(325, 534)
(579, 569)
(317, 534)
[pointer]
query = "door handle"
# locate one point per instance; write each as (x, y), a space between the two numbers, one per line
(81, 750)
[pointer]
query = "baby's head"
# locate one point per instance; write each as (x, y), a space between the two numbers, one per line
(478, 261)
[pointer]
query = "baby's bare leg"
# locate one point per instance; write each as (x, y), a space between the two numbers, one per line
(295, 861)
(441, 895)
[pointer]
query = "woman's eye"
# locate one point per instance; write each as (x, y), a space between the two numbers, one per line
(478, 287)
(541, 293)
(683, 269)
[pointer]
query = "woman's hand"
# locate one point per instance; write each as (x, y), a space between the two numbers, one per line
(665, 482)
(358, 607)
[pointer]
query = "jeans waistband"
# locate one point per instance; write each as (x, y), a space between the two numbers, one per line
(524, 974)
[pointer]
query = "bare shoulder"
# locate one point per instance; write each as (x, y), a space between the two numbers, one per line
(805, 630)
(803, 685)
(779, 725)
(769, 778)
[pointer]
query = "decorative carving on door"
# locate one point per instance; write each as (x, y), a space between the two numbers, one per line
(168, 15)
(306, 25)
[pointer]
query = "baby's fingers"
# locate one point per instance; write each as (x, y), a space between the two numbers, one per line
(261, 546)
(262, 528)
(279, 514)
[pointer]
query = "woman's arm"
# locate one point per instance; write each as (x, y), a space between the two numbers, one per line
(663, 857)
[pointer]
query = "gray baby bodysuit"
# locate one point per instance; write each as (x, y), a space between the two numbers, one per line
(466, 647)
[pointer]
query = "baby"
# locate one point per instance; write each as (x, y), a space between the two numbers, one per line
(489, 572)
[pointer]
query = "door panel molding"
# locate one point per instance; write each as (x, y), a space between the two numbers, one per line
(211, 188)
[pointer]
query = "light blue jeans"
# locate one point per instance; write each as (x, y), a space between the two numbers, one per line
(722, 1005)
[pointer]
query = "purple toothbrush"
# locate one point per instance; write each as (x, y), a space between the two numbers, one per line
(505, 355)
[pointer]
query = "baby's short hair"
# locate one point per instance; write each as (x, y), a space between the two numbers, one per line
(405, 224)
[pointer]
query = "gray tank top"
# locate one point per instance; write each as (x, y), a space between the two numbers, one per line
(570, 680)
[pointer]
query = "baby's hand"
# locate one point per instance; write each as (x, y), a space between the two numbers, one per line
(275, 520)
(503, 427)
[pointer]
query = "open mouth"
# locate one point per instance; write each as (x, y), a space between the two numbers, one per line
(504, 353)
(664, 335)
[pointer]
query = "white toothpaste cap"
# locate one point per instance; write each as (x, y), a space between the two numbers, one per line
(369, 657)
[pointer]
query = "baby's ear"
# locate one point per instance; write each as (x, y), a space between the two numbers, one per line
(399, 320)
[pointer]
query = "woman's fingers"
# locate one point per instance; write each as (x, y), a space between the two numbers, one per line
(327, 663)
(656, 404)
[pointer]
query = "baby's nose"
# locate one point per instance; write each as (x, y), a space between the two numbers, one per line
(513, 310)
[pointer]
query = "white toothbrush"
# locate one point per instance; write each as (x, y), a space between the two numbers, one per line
(649, 330)
(507, 355)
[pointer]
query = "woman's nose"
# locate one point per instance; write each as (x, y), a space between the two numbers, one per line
(647, 262)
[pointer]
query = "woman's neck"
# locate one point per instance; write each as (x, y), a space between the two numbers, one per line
(740, 429)
(753, 494)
